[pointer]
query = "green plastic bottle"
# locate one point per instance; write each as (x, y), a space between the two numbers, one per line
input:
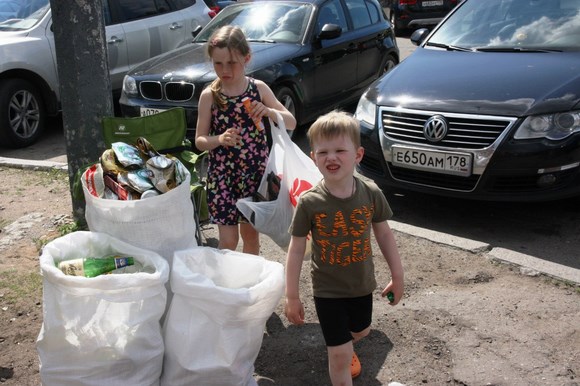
(92, 266)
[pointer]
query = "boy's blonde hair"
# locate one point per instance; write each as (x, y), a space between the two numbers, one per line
(332, 125)
(234, 40)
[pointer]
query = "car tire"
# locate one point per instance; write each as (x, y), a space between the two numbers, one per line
(287, 97)
(389, 64)
(22, 113)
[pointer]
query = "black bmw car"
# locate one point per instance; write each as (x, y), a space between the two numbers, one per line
(487, 106)
(316, 55)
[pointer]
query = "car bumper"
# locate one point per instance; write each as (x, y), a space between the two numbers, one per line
(517, 171)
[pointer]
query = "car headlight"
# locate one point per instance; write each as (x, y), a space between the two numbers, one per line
(129, 85)
(552, 126)
(366, 110)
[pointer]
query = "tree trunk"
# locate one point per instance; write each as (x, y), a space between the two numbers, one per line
(85, 87)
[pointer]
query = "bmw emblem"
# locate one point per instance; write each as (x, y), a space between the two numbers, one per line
(435, 129)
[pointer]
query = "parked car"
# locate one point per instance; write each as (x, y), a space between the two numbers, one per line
(136, 30)
(217, 5)
(8, 9)
(487, 106)
(315, 55)
(413, 14)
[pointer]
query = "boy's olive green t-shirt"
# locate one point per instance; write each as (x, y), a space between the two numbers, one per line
(341, 261)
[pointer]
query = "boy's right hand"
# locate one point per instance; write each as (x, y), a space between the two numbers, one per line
(294, 311)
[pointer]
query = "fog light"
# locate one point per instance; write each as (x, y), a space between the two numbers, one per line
(546, 180)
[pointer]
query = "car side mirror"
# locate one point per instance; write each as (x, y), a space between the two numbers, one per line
(196, 31)
(419, 35)
(330, 31)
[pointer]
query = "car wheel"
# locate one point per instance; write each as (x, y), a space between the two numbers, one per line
(288, 99)
(22, 113)
(389, 64)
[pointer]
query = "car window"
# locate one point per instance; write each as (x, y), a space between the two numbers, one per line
(140, 9)
(512, 24)
(181, 4)
(358, 13)
(283, 22)
(331, 13)
(374, 11)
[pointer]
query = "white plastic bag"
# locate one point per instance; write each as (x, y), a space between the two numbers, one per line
(163, 224)
(214, 328)
(104, 330)
(297, 173)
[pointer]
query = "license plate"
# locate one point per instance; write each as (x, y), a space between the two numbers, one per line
(433, 161)
(432, 3)
(146, 111)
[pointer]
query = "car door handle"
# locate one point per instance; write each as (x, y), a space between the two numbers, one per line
(175, 26)
(114, 40)
(352, 48)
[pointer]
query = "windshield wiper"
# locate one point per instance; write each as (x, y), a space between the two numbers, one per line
(448, 47)
(261, 40)
(514, 49)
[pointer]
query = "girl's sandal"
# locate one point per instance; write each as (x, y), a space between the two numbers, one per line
(355, 367)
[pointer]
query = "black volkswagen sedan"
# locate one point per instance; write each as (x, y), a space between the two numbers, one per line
(316, 55)
(487, 106)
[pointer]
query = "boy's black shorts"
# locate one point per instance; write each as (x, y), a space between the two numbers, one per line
(339, 317)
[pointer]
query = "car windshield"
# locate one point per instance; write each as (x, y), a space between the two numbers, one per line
(267, 22)
(30, 13)
(511, 25)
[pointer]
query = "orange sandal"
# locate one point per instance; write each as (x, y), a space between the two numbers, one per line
(355, 367)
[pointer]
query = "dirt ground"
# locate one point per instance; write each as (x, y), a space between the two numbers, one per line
(464, 320)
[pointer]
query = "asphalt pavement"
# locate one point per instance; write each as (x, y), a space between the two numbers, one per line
(50, 152)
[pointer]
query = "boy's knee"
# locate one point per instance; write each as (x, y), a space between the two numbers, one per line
(359, 335)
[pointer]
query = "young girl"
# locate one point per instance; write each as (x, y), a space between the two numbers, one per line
(238, 147)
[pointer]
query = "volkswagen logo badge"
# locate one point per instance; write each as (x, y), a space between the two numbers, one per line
(435, 129)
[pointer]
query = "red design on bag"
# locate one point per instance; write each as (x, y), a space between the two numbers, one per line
(298, 187)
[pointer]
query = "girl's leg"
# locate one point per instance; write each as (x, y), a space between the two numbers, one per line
(228, 237)
(339, 359)
(250, 238)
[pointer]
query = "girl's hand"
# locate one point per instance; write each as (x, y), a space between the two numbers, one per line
(259, 110)
(231, 137)
(294, 311)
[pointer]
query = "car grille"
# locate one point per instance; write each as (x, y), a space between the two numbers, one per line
(465, 131)
(171, 91)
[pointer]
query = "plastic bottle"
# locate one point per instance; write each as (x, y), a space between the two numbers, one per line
(92, 266)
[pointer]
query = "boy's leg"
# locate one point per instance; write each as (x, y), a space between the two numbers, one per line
(228, 237)
(339, 360)
(250, 238)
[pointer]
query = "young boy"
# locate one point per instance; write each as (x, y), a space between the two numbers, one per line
(340, 212)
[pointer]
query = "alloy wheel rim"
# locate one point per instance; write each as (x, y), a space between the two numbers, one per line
(24, 114)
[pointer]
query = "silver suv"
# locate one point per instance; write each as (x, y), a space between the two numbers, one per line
(136, 30)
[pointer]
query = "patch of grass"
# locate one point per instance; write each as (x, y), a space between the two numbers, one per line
(16, 285)
(65, 229)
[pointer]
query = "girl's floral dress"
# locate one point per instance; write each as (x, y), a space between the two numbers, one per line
(235, 172)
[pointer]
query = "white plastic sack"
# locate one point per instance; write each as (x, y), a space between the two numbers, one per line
(297, 172)
(214, 328)
(104, 330)
(163, 224)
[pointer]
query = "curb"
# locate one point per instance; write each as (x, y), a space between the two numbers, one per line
(32, 164)
(529, 265)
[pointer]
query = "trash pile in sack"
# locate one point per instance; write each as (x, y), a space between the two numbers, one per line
(127, 172)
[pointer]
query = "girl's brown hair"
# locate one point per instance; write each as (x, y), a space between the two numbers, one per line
(233, 39)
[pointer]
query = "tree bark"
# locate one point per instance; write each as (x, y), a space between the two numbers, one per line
(85, 87)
